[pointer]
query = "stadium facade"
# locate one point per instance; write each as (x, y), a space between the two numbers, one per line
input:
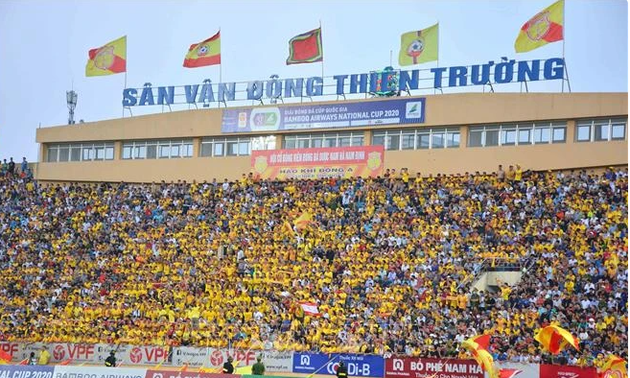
(458, 133)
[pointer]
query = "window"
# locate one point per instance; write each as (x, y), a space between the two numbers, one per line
(516, 134)
(541, 135)
(152, 149)
(559, 134)
(218, 147)
(437, 138)
(475, 137)
(322, 140)
(408, 140)
(52, 153)
(600, 130)
(524, 136)
(452, 139)
(424, 140)
(75, 153)
(80, 152)
(126, 151)
(618, 131)
(418, 139)
(492, 137)
(508, 137)
(263, 143)
(392, 141)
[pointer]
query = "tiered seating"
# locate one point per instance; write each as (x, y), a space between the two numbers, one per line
(388, 261)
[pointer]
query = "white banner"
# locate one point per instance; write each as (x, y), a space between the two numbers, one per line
(97, 372)
(526, 370)
(144, 355)
(194, 357)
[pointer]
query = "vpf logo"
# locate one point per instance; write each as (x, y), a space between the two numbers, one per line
(216, 358)
(59, 352)
(398, 365)
(202, 50)
(305, 359)
(135, 355)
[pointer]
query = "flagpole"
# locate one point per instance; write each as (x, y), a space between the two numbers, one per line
(220, 72)
(437, 61)
(322, 39)
(125, 82)
(564, 37)
(124, 87)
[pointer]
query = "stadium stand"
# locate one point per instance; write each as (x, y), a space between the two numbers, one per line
(388, 261)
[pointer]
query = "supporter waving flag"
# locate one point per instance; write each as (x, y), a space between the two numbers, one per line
(554, 338)
(614, 367)
(478, 348)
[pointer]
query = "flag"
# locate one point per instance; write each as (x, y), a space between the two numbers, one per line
(109, 59)
(419, 46)
(184, 368)
(66, 362)
(306, 48)
(614, 367)
(310, 308)
(303, 220)
(206, 53)
(545, 27)
(477, 346)
(554, 339)
(5, 357)
(509, 373)
(23, 362)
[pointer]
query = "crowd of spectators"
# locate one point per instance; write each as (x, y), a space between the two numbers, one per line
(389, 262)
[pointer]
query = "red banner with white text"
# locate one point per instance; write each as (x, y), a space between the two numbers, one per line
(407, 367)
(558, 371)
(317, 163)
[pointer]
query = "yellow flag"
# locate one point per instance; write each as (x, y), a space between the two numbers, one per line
(419, 46)
(545, 27)
(109, 59)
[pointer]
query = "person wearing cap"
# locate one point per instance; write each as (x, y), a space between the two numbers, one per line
(342, 370)
(111, 360)
(258, 368)
(228, 368)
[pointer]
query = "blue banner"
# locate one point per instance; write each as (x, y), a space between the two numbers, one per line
(358, 365)
(11, 371)
(368, 113)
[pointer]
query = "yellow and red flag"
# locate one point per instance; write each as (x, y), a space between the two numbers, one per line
(206, 53)
(509, 373)
(554, 339)
(303, 220)
(419, 46)
(477, 346)
(545, 27)
(5, 358)
(614, 367)
(109, 59)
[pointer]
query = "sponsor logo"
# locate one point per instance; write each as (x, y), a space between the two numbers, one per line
(59, 352)
(305, 360)
(413, 109)
(135, 355)
(398, 365)
(216, 358)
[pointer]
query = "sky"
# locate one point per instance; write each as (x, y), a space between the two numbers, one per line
(44, 46)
